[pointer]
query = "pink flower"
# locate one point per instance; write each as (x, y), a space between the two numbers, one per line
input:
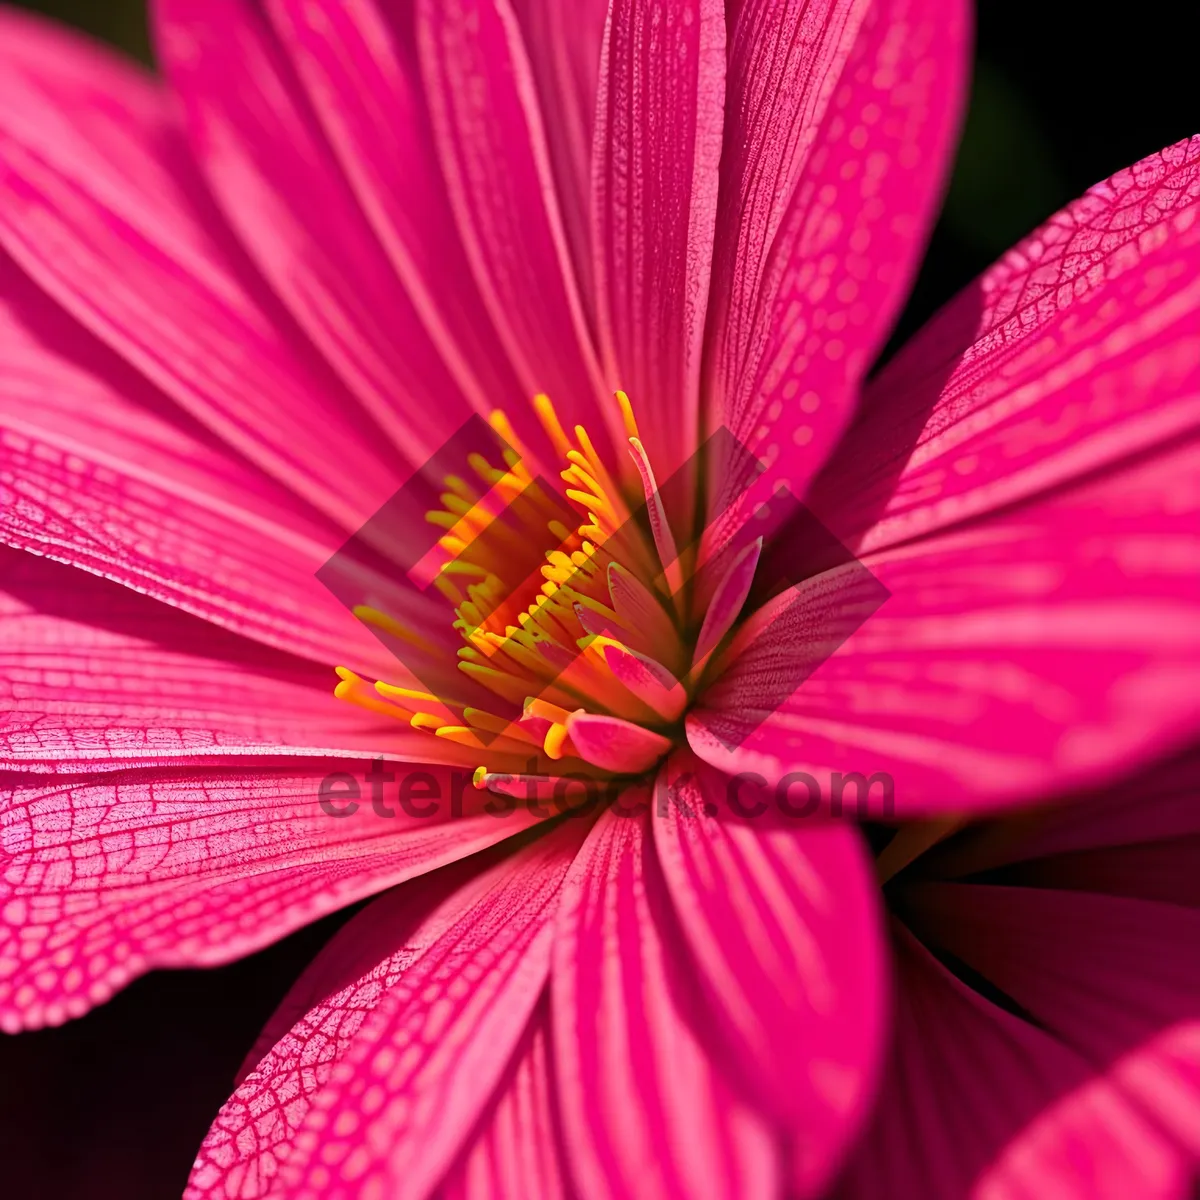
(240, 308)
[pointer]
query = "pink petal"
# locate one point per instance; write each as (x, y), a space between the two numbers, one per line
(413, 1026)
(615, 744)
(98, 676)
(784, 923)
(646, 678)
(357, 64)
(843, 116)
(1041, 650)
(656, 150)
(75, 214)
(565, 44)
(640, 610)
(1137, 837)
(645, 1110)
(280, 187)
(786, 61)
(728, 597)
(1115, 977)
(111, 99)
(516, 1153)
(316, 1024)
(92, 474)
(978, 1102)
(104, 879)
(1074, 351)
(491, 143)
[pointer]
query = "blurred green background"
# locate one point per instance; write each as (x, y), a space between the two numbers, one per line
(115, 1105)
(122, 22)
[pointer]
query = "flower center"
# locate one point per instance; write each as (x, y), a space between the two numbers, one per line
(593, 661)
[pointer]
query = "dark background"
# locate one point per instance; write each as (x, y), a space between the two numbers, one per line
(114, 1105)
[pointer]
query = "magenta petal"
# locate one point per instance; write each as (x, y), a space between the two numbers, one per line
(565, 43)
(784, 922)
(491, 143)
(98, 676)
(281, 189)
(645, 1110)
(1138, 837)
(358, 67)
(639, 610)
(110, 97)
(516, 1154)
(1076, 350)
(1048, 647)
(728, 597)
(1115, 977)
(615, 744)
(76, 215)
(105, 879)
(646, 678)
(842, 121)
(98, 472)
(655, 156)
(980, 1103)
(412, 1029)
(786, 62)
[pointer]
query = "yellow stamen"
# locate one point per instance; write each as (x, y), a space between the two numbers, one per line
(447, 588)
(381, 621)
(459, 734)
(627, 416)
(443, 520)
(355, 690)
(501, 424)
(524, 639)
(490, 723)
(501, 682)
(535, 706)
(556, 738)
(462, 567)
(544, 407)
